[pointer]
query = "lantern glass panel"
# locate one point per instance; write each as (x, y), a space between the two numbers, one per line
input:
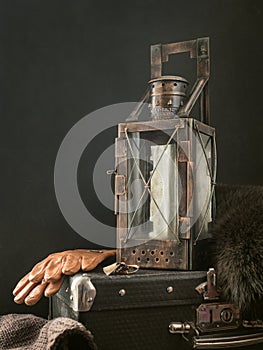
(203, 177)
(152, 186)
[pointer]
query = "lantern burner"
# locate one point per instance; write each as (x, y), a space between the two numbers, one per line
(167, 96)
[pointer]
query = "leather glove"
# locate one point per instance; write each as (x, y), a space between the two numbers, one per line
(47, 276)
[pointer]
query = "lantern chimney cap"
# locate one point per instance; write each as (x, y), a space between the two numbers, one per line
(169, 77)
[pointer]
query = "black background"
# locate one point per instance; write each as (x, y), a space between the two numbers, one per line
(61, 60)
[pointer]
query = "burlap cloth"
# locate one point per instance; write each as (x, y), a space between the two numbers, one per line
(34, 333)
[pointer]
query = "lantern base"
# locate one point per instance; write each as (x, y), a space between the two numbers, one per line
(167, 254)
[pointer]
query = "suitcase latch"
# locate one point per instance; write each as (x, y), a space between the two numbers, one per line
(209, 288)
(83, 293)
(217, 316)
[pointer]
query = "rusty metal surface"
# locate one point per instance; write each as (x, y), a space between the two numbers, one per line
(212, 316)
(167, 96)
(151, 125)
(158, 254)
(198, 49)
(160, 53)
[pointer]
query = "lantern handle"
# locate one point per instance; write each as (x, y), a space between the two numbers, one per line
(198, 49)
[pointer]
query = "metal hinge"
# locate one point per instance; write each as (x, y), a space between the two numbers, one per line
(82, 293)
(120, 148)
(120, 190)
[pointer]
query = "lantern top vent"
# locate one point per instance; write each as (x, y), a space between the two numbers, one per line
(168, 78)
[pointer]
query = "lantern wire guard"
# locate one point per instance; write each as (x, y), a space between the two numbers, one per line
(212, 174)
(147, 183)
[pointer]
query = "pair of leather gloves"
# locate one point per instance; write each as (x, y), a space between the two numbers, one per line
(47, 276)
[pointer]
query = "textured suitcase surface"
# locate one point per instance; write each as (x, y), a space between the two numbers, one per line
(134, 311)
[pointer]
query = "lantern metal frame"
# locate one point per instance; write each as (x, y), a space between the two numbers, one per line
(180, 252)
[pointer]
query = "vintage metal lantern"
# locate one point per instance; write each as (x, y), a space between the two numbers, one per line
(165, 168)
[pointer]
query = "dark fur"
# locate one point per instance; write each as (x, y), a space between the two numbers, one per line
(238, 238)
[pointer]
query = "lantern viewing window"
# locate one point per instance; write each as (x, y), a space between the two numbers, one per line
(165, 169)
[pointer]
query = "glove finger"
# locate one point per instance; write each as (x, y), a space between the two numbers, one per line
(35, 295)
(38, 271)
(53, 288)
(20, 297)
(21, 284)
(71, 264)
(53, 271)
